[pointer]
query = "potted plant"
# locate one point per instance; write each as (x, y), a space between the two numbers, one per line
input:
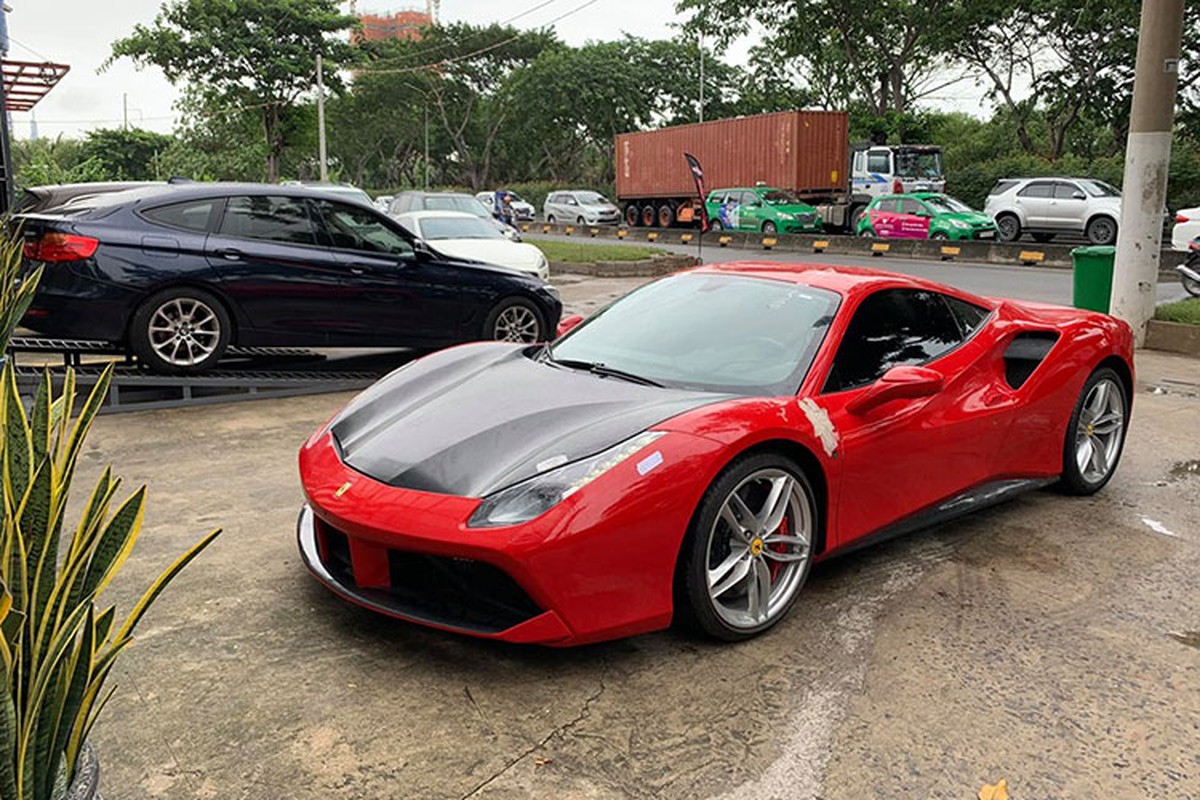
(59, 638)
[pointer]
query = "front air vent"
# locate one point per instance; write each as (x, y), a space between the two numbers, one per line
(1024, 353)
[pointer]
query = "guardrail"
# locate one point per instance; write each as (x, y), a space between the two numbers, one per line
(986, 252)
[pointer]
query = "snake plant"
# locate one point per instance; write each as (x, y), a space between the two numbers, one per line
(15, 293)
(60, 639)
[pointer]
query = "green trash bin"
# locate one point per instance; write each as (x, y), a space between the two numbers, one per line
(1093, 276)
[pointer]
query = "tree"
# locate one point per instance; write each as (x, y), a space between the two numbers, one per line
(126, 155)
(257, 55)
(867, 53)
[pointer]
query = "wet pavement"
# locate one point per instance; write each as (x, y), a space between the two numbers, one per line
(1051, 642)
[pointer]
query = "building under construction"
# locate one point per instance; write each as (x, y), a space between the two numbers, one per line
(405, 24)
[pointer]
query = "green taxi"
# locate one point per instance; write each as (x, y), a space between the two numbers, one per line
(761, 208)
(924, 215)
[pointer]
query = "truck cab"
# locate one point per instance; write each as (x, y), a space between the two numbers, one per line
(894, 169)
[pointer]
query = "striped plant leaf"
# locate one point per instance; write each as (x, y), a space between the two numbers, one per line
(115, 543)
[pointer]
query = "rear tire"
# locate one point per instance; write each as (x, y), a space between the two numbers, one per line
(734, 583)
(1095, 434)
(666, 216)
(648, 216)
(1009, 227)
(632, 215)
(181, 330)
(515, 319)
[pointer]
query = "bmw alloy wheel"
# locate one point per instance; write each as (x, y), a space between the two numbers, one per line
(1099, 432)
(517, 323)
(184, 331)
(758, 548)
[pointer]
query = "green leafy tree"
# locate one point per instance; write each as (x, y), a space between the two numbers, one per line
(39, 162)
(128, 155)
(257, 55)
(866, 53)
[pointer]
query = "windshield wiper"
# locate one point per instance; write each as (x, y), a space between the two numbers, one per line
(599, 368)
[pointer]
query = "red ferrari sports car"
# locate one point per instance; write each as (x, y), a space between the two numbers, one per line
(690, 451)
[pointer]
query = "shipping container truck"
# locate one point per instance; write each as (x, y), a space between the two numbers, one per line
(806, 153)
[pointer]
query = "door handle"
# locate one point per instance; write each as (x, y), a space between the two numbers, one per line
(359, 269)
(229, 253)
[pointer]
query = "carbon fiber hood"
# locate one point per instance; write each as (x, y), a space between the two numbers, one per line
(471, 420)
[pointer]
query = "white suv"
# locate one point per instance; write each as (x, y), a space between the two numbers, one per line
(1045, 207)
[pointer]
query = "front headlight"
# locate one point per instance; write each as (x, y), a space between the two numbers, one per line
(958, 223)
(539, 494)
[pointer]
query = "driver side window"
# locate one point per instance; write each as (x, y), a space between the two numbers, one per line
(353, 228)
(890, 328)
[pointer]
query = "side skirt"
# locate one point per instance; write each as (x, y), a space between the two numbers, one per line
(974, 499)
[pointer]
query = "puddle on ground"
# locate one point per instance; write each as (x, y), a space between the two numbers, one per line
(1190, 638)
(1184, 469)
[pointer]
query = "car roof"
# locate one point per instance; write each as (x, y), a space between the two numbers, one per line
(426, 214)
(197, 191)
(435, 194)
(842, 280)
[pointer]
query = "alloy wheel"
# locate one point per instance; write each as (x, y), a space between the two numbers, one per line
(517, 323)
(758, 548)
(184, 331)
(1099, 431)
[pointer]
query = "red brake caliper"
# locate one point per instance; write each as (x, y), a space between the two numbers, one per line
(778, 547)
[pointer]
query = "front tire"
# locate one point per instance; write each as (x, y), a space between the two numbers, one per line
(550, 219)
(1102, 230)
(940, 236)
(515, 319)
(769, 228)
(1190, 285)
(180, 330)
(749, 549)
(1095, 434)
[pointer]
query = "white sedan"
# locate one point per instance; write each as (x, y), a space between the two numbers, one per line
(461, 235)
(1187, 227)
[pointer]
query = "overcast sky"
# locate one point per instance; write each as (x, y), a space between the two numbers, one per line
(80, 32)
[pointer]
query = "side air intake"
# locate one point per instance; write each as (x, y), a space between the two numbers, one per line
(1024, 353)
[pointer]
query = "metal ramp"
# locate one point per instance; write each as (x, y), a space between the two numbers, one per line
(244, 374)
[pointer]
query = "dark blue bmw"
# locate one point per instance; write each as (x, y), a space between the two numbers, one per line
(177, 274)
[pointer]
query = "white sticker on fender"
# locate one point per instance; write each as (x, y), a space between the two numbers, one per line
(649, 462)
(822, 426)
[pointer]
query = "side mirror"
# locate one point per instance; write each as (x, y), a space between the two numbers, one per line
(567, 324)
(423, 250)
(923, 214)
(898, 383)
(1078, 196)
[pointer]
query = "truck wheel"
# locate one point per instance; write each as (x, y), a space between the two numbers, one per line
(666, 216)
(633, 215)
(856, 214)
(648, 216)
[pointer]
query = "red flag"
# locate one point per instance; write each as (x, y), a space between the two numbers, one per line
(698, 174)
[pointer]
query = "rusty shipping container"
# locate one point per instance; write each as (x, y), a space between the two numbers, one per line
(804, 151)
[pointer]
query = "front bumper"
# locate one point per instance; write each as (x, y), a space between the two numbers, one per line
(597, 566)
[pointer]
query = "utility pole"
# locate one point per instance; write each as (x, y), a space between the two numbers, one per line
(125, 110)
(1147, 157)
(321, 153)
(700, 44)
(427, 145)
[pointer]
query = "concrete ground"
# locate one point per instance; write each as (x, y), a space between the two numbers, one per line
(1052, 642)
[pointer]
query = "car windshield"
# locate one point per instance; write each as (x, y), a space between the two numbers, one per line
(1099, 189)
(709, 332)
(778, 197)
(591, 198)
(918, 163)
(944, 204)
(450, 202)
(435, 228)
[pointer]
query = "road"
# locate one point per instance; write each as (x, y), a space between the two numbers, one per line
(991, 280)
